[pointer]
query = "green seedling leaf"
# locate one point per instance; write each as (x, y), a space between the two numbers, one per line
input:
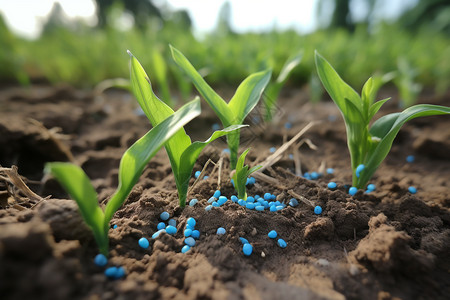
(368, 148)
(245, 99)
(76, 182)
(182, 153)
(241, 174)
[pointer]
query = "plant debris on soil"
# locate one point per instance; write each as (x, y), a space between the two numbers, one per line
(386, 244)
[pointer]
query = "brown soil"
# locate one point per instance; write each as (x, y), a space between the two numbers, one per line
(388, 244)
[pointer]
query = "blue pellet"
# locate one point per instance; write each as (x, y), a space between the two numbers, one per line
(291, 156)
(172, 222)
(120, 272)
(272, 149)
(185, 249)
(189, 227)
(266, 204)
(247, 182)
(279, 207)
(259, 208)
(205, 177)
(267, 196)
(189, 241)
(115, 226)
(247, 249)
(371, 187)
(410, 158)
(164, 216)
(241, 202)
(171, 230)
(307, 176)
(100, 260)
(234, 198)
(412, 190)
(317, 210)
(232, 182)
(293, 202)
(193, 202)
(352, 191)
(288, 125)
(332, 185)
(252, 180)
(260, 200)
(282, 243)
(359, 169)
(257, 197)
(250, 199)
(143, 243)
(191, 222)
(243, 240)
(273, 208)
(161, 225)
(215, 126)
(222, 200)
(111, 272)
(330, 171)
(156, 234)
(221, 231)
(277, 203)
(197, 173)
(216, 194)
(215, 204)
(250, 205)
(195, 234)
(273, 197)
(314, 175)
(212, 199)
(272, 234)
(187, 232)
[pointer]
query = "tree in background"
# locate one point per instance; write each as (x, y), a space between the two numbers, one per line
(430, 13)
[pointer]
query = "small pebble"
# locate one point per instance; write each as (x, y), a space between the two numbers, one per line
(332, 185)
(193, 202)
(100, 260)
(221, 231)
(281, 243)
(247, 249)
(185, 249)
(191, 222)
(143, 243)
(195, 234)
(197, 173)
(171, 230)
(412, 190)
(172, 222)
(189, 241)
(317, 210)
(410, 158)
(352, 191)
(164, 216)
(272, 234)
(216, 194)
(330, 171)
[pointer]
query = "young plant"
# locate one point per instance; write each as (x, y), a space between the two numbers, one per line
(274, 88)
(368, 147)
(409, 90)
(233, 113)
(241, 174)
(133, 161)
(182, 152)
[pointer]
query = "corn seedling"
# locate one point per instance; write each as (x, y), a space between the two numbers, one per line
(233, 113)
(181, 151)
(368, 147)
(274, 88)
(133, 161)
(241, 174)
(408, 89)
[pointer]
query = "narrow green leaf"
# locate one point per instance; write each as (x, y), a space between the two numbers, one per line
(335, 86)
(79, 187)
(289, 66)
(374, 108)
(214, 100)
(253, 170)
(247, 95)
(156, 110)
(137, 156)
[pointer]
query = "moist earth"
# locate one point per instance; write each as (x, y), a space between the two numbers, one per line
(388, 244)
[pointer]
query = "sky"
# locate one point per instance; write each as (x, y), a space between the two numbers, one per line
(26, 17)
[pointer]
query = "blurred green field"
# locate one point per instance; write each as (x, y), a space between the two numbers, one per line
(84, 56)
